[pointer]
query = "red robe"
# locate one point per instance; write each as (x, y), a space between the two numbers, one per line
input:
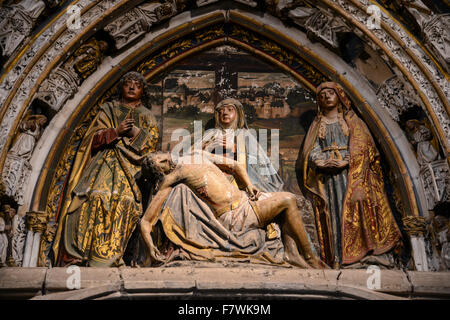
(368, 225)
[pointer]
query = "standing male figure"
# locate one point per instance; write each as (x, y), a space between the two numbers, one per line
(339, 171)
(104, 204)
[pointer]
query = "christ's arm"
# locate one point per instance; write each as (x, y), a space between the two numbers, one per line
(154, 209)
(151, 214)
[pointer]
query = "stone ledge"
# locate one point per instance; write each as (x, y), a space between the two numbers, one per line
(204, 281)
(430, 284)
(56, 280)
(21, 283)
(82, 294)
(157, 280)
(393, 282)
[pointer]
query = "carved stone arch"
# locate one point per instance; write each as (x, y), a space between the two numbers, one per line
(388, 134)
(326, 64)
(394, 40)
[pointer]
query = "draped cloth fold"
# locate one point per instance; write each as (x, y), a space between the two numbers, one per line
(189, 223)
(250, 154)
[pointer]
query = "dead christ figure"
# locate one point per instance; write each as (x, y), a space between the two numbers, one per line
(235, 227)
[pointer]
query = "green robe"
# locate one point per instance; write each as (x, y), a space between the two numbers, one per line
(105, 203)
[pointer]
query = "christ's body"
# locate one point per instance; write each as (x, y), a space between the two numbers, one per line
(208, 181)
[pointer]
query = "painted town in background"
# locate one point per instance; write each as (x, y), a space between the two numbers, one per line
(271, 99)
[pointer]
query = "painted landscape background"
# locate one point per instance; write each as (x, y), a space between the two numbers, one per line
(271, 99)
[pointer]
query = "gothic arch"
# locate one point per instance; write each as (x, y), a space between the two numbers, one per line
(43, 201)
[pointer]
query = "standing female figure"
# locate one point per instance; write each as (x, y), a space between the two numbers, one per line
(340, 173)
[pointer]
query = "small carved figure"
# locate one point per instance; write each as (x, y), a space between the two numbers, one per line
(434, 171)
(11, 227)
(443, 234)
(422, 138)
(17, 23)
(3, 241)
(88, 57)
(442, 238)
(17, 236)
(30, 131)
(17, 168)
(7, 217)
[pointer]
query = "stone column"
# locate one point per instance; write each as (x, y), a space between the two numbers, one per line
(28, 247)
(37, 223)
(416, 227)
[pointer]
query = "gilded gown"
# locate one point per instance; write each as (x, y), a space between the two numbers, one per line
(348, 229)
(105, 205)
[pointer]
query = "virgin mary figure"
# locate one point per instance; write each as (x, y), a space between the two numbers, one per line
(232, 138)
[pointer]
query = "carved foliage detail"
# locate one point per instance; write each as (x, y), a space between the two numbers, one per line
(437, 38)
(138, 21)
(396, 96)
(319, 25)
(63, 82)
